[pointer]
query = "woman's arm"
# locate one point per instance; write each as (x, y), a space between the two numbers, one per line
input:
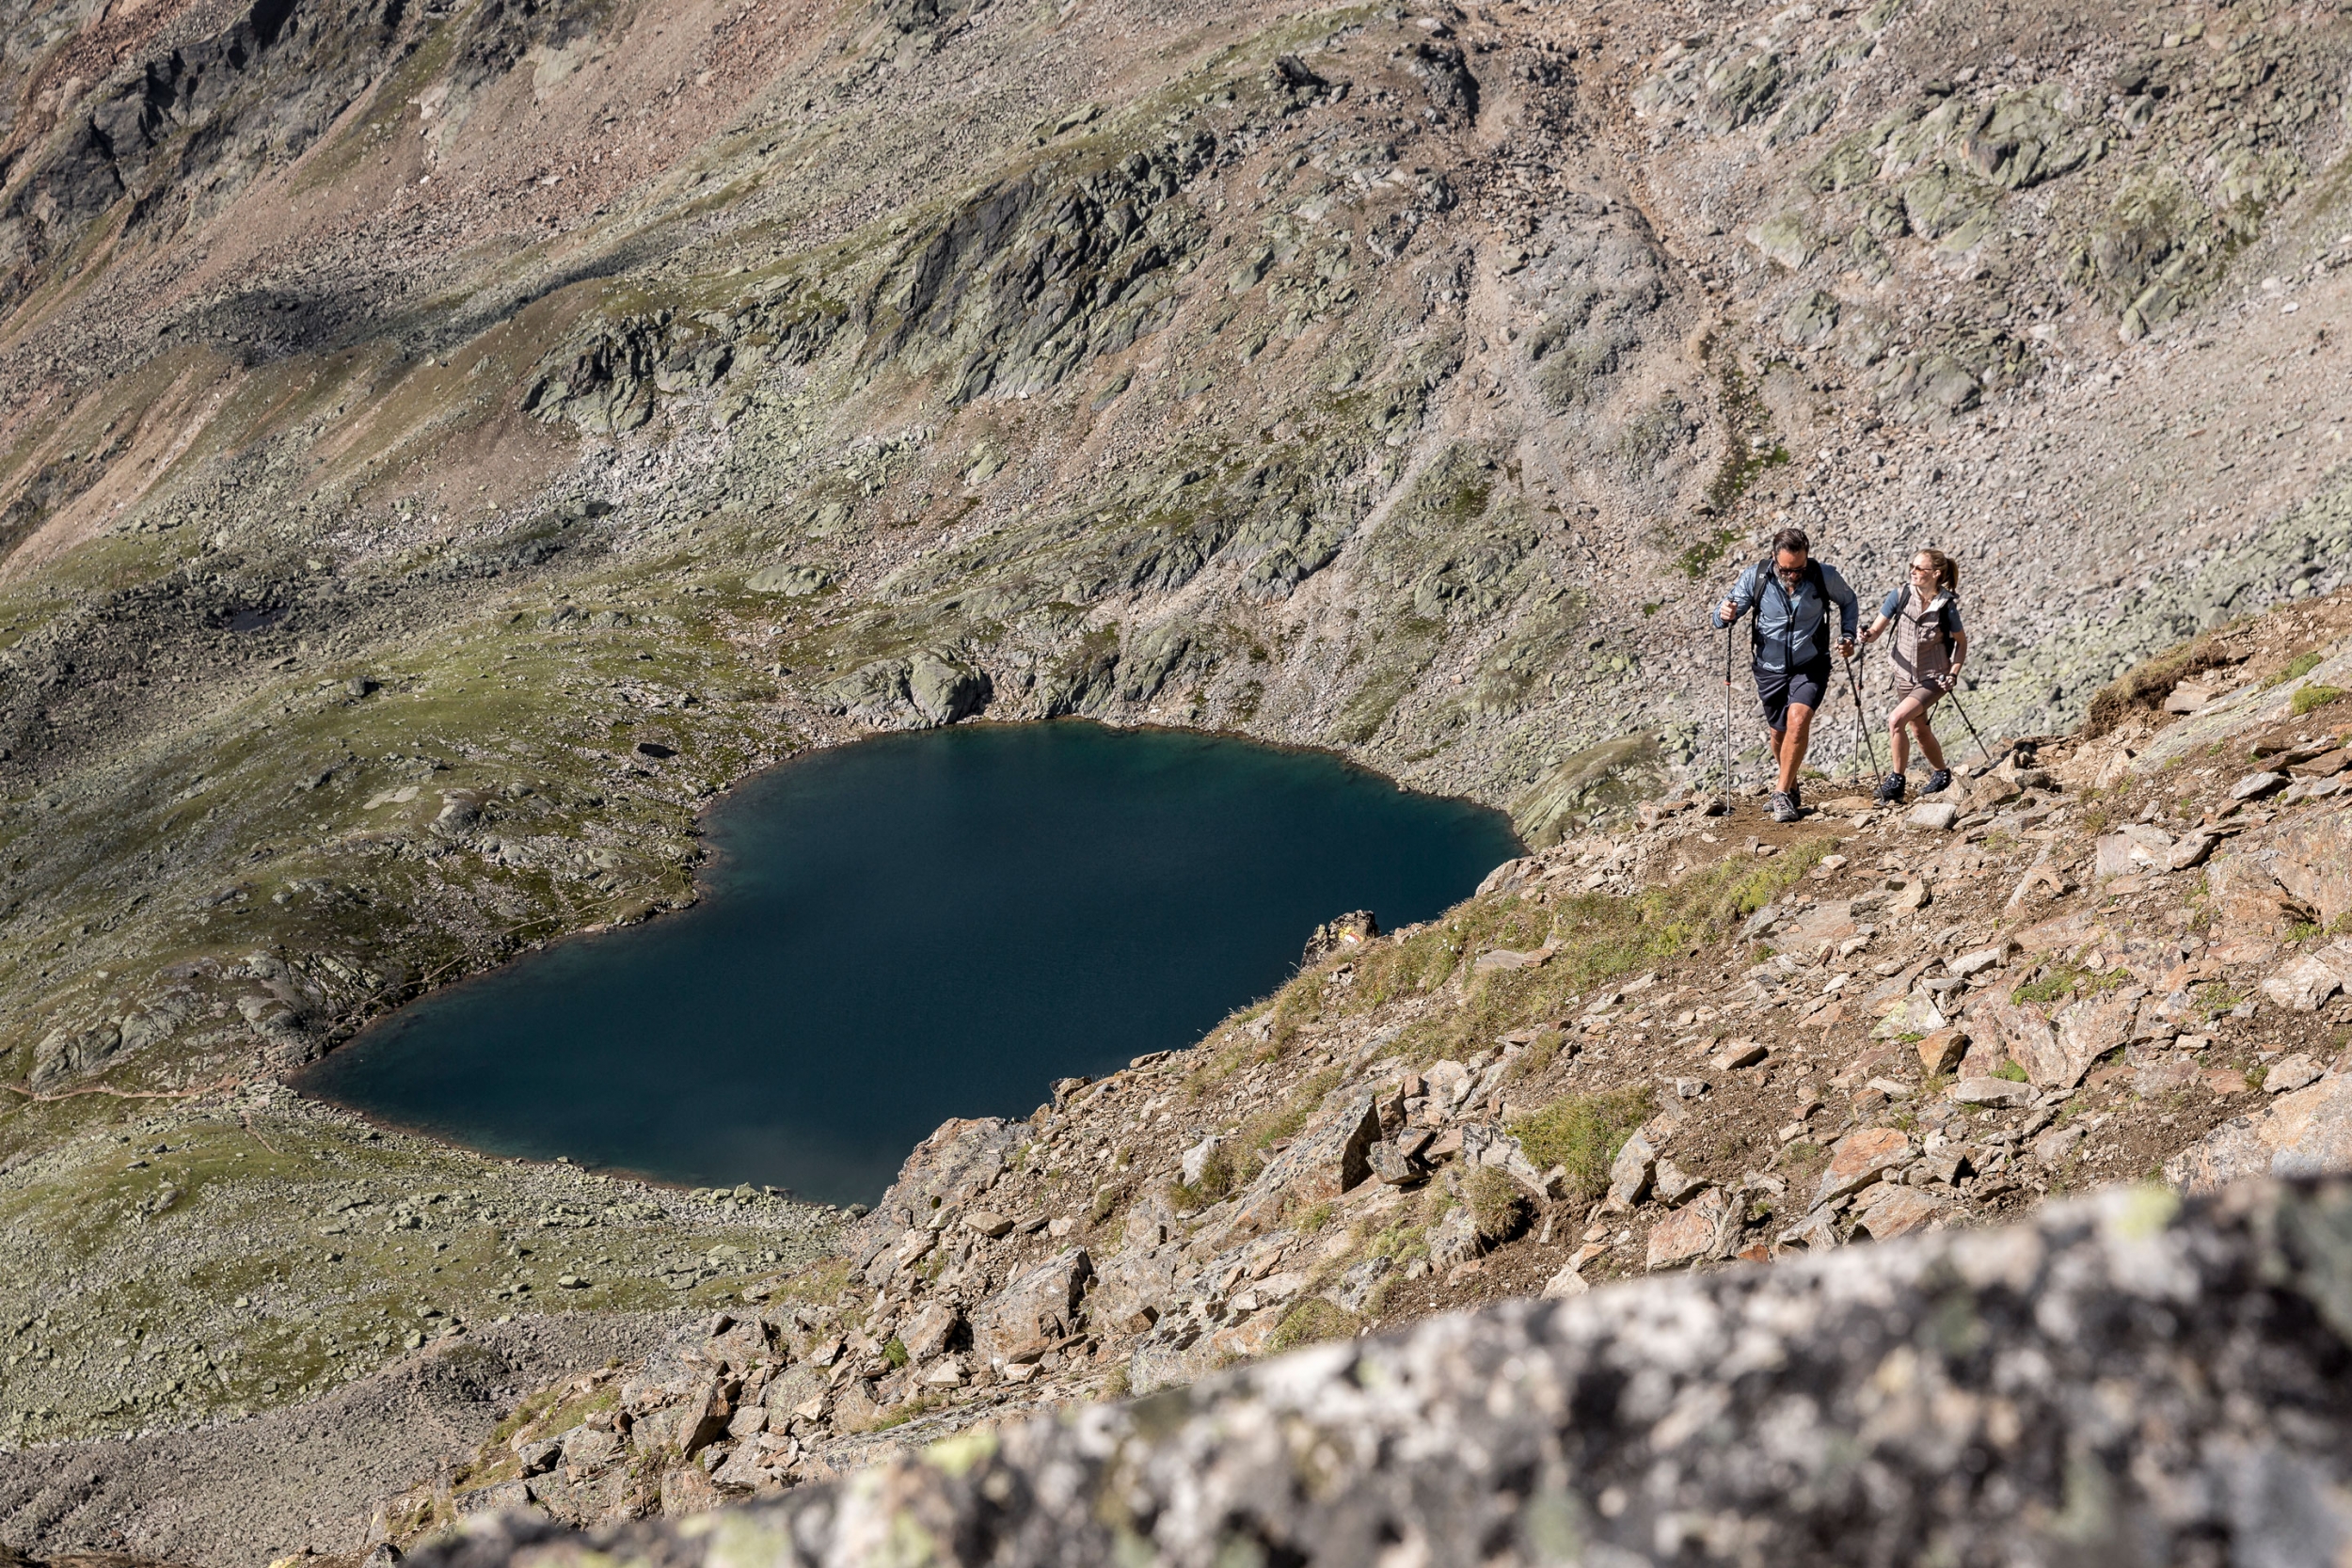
(1877, 626)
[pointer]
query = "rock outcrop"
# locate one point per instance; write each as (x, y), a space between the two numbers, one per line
(2173, 1383)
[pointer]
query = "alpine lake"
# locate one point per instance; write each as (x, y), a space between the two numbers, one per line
(911, 929)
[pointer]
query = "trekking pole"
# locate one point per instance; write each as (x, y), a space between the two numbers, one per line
(1862, 719)
(1725, 803)
(1953, 692)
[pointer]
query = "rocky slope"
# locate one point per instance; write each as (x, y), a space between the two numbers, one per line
(441, 446)
(2114, 958)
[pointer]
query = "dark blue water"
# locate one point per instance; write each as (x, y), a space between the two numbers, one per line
(912, 928)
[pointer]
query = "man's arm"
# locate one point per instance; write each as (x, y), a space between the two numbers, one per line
(1849, 607)
(1739, 601)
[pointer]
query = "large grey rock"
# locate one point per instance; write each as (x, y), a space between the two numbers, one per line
(1043, 1304)
(2307, 1132)
(2172, 1381)
(791, 580)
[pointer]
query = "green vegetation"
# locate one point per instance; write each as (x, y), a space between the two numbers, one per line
(2294, 671)
(1497, 1206)
(1313, 1322)
(2314, 696)
(1600, 937)
(2011, 1070)
(2146, 685)
(1584, 1132)
(1696, 561)
(2063, 982)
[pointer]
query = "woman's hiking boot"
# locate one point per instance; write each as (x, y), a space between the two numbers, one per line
(1938, 781)
(1891, 790)
(1785, 807)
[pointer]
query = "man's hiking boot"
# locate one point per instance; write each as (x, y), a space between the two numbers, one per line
(1796, 794)
(1785, 807)
(1938, 781)
(1891, 790)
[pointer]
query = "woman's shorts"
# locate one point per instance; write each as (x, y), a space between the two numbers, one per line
(1777, 689)
(1933, 688)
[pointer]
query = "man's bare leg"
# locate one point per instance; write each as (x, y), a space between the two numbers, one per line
(1793, 745)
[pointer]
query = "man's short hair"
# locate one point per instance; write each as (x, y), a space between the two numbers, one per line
(1791, 538)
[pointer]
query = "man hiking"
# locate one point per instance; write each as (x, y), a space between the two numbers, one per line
(1791, 595)
(1929, 645)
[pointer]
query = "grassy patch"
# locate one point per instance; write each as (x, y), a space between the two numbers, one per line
(1584, 1132)
(1497, 1206)
(2314, 696)
(2063, 982)
(2146, 685)
(2011, 1071)
(1599, 937)
(1311, 1322)
(1540, 1054)
(2303, 665)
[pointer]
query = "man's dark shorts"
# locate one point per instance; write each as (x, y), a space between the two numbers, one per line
(1777, 689)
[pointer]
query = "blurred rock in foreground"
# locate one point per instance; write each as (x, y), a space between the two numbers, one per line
(2130, 1379)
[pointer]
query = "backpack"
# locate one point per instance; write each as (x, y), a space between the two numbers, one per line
(1945, 623)
(1766, 577)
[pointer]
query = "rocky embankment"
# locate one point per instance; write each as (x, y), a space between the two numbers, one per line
(2111, 957)
(2169, 1381)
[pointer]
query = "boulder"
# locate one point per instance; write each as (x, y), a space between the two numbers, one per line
(1331, 1155)
(1690, 1232)
(2053, 1147)
(1042, 1302)
(1888, 1210)
(1674, 1186)
(961, 1158)
(1816, 1232)
(1342, 934)
(702, 1417)
(1391, 1166)
(2304, 984)
(945, 689)
(2312, 860)
(2289, 1073)
(927, 1335)
(2189, 850)
(1942, 1051)
(1454, 1239)
(1485, 1144)
(1630, 1173)
(2056, 1053)
(791, 580)
(1138, 1279)
(1860, 1158)
(1566, 1282)
(2304, 1132)
(1915, 1014)
(1933, 816)
(1739, 1054)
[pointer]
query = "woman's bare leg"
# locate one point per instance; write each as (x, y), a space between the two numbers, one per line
(1922, 727)
(1909, 720)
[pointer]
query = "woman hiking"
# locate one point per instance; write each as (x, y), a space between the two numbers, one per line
(1929, 647)
(1792, 595)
